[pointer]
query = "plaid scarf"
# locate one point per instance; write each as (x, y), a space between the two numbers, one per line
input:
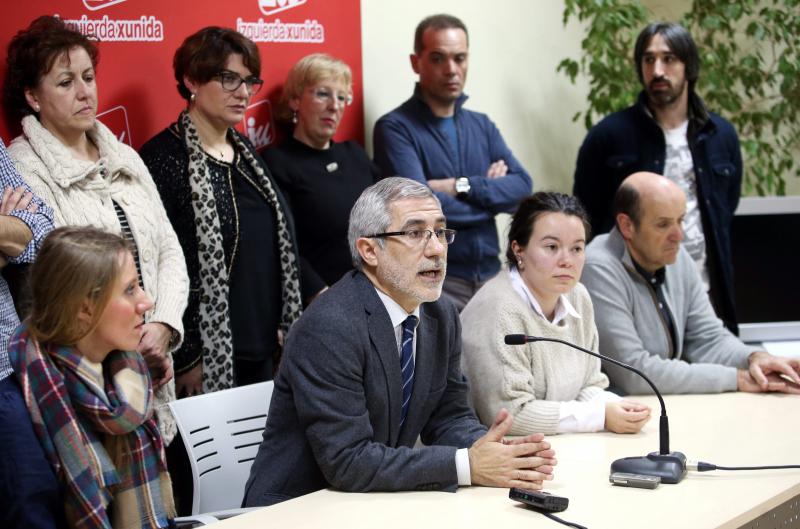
(95, 423)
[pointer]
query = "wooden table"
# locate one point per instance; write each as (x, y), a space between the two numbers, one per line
(733, 429)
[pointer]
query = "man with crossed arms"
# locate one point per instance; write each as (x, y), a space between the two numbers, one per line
(458, 152)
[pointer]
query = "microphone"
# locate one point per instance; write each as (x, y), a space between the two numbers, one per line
(669, 466)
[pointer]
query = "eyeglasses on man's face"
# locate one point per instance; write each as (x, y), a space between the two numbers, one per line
(444, 235)
(231, 81)
(327, 96)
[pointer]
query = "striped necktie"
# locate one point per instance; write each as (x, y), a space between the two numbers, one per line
(407, 363)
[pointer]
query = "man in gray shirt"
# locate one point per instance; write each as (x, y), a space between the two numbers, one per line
(652, 309)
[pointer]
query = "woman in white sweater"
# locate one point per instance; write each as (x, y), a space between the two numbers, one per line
(80, 169)
(547, 387)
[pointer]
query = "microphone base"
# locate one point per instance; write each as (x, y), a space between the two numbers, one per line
(671, 468)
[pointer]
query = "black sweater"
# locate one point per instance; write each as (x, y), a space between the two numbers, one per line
(321, 187)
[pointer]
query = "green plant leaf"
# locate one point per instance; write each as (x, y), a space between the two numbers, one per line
(750, 52)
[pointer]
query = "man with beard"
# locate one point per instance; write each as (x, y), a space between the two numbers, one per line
(669, 131)
(375, 363)
(459, 153)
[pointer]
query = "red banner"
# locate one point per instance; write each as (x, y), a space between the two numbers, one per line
(136, 86)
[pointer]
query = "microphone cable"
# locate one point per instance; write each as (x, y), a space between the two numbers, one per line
(702, 466)
(561, 520)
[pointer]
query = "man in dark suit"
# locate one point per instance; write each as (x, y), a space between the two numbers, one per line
(374, 363)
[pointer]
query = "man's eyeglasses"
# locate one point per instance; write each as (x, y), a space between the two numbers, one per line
(231, 81)
(326, 96)
(445, 236)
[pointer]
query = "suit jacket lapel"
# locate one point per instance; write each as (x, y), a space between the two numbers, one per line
(424, 363)
(384, 343)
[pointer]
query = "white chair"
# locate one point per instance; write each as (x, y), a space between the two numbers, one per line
(221, 432)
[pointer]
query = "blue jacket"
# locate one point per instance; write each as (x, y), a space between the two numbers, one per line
(407, 143)
(630, 140)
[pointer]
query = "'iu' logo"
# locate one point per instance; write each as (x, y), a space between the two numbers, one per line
(94, 5)
(116, 119)
(257, 124)
(270, 7)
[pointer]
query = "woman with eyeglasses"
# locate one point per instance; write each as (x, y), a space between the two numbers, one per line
(320, 177)
(236, 231)
(548, 387)
(79, 168)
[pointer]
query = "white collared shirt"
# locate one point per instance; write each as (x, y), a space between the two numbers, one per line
(563, 307)
(398, 315)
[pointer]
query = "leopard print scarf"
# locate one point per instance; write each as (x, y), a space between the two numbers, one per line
(215, 329)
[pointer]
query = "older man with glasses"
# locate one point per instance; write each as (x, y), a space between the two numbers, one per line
(375, 363)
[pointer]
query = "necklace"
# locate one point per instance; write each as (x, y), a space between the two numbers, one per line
(216, 153)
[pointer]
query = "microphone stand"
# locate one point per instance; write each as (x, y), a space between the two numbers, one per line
(669, 466)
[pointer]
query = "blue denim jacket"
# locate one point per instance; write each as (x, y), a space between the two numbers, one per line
(630, 140)
(408, 143)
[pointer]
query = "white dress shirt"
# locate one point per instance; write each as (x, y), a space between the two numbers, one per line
(398, 315)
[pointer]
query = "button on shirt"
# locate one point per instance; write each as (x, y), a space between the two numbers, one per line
(398, 315)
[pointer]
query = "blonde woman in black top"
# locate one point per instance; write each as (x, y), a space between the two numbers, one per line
(320, 177)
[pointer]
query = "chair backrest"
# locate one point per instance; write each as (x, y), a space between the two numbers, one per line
(222, 432)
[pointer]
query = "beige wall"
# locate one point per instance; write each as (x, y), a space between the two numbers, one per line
(515, 46)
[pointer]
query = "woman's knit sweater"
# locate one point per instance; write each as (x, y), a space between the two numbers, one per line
(81, 193)
(531, 381)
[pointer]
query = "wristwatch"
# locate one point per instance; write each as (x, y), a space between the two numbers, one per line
(462, 187)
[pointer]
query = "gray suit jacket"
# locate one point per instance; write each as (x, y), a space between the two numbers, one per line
(334, 419)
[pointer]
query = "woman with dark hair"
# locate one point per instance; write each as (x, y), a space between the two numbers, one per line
(79, 168)
(235, 229)
(321, 178)
(87, 389)
(548, 388)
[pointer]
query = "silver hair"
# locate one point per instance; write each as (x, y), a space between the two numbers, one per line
(372, 211)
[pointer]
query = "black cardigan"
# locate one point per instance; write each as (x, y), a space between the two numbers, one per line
(168, 161)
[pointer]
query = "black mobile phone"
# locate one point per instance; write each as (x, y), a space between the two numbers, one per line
(641, 481)
(539, 500)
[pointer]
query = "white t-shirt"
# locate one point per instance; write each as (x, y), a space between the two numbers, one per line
(679, 168)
